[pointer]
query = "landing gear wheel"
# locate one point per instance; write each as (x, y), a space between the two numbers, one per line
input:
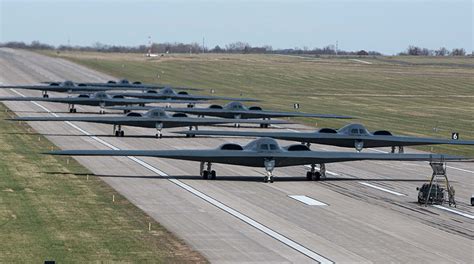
(74, 110)
(205, 175)
(309, 176)
(213, 175)
(122, 133)
(271, 179)
(317, 176)
(117, 133)
(265, 179)
(45, 96)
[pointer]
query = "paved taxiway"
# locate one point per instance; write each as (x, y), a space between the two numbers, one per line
(237, 218)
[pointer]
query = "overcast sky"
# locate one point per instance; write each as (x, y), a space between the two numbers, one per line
(388, 26)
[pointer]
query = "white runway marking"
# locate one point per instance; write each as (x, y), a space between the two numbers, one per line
(289, 129)
(361, 61)
(377, 150)
(307, 200)
(454, 211)
(298, 247)
(454, 168)
(382, 189)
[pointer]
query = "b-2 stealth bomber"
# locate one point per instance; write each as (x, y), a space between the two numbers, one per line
(238, 111)
(100, 99)
(262, 152)
(155, 118)
(350, 136)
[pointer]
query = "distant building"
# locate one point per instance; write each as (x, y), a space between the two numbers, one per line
(362, 53)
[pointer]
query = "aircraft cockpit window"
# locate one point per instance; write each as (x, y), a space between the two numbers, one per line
(273, 147)
(354, 131)
(264, 147)
(361, 131)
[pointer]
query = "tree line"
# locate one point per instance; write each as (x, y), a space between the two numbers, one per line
(177, 47)
(417, 51)
(234, 47)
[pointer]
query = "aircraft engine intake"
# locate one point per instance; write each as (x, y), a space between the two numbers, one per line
(216, 107)
(298, 147)
(134, 114)
(231, 146)
(327, 130)
(180, 115)
(255, 108)
(382, 133)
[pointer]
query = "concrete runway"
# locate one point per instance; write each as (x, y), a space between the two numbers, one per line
(370, 212)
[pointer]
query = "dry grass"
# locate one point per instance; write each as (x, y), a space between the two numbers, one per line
(49, 210)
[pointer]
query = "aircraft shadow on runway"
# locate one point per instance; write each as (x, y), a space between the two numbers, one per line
(234, 178)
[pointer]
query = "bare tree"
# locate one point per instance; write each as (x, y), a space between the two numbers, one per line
(458, 52)
(441, 51)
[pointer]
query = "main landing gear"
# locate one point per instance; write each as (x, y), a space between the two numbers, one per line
(191, 129)
(269, 166)
(265, 125)
(71, 108)
(159, 127)
(45, 94)
(207, 173)
(400, 149)
(316, 175)
(118, 132)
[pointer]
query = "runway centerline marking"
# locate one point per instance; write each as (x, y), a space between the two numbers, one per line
(361, 61)
(382, 189)
(307, 200)
(270, 232)
(454, 211)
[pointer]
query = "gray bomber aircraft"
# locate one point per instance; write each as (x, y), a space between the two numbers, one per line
(169, 93)
(156, 118)
(124, 83)
(238, 111)
(65, 87)
(350, 136)
(262, 152)
(73, 87)
(101, 99)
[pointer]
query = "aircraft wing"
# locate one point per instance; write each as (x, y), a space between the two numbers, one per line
(265, 113)
(125, 101)
(147, 121)
(300, 137)
(336, 139)
(134, 108)
(256, 159)
(413, 141)
(68, 100)
(251, 113)
(194, 121)
(204, 97)
(113, 120)
(53, 88)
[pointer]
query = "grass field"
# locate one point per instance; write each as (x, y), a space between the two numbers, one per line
(412, 96)
(50, 211)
